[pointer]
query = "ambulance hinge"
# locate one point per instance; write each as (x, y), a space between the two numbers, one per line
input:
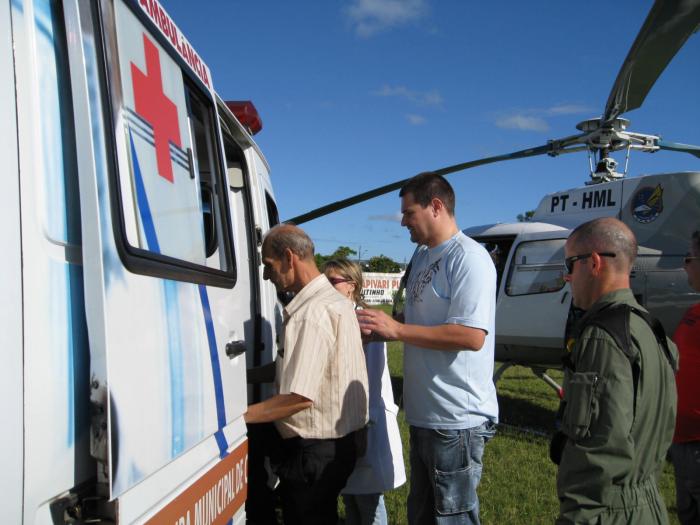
(84, 507)
(99, 435)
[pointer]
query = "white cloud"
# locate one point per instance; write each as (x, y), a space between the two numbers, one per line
(395, 217)
(432, 98)
(535, 119)
(523, 122)
(416, 120)
(426, 98)
(567, 109)
(370, 17)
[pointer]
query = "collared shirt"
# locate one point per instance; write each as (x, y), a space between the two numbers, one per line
(322, 361)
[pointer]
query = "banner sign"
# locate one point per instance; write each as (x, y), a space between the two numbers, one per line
(379, 288)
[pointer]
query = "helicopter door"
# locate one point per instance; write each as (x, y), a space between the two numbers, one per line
(533, 301)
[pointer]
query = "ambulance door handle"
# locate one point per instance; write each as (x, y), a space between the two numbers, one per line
(235, 348)
(258, 235)
(190, 162)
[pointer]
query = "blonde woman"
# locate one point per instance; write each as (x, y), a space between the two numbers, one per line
(382, 467)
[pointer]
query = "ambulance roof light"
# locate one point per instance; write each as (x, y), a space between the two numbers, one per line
(247, 114)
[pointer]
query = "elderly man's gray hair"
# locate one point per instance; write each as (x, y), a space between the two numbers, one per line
(284, 236)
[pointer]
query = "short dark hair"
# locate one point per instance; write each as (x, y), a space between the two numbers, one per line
(283, 236)
(608, 234)
(427, 186)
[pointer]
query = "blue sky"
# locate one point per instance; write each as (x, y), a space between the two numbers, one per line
(358, 93)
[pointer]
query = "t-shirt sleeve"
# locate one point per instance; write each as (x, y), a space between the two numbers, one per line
(473, 291)
(307, 361)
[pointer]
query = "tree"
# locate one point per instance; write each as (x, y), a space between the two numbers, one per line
(526, 217)
(342, 252)
(320, 260)
(383, 264)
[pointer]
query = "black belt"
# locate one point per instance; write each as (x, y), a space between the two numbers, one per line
(299, 441)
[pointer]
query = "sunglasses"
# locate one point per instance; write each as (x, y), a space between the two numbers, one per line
(689, 258)
(338, 280)
(569, 261)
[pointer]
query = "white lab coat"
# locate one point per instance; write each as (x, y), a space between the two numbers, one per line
(381, 468)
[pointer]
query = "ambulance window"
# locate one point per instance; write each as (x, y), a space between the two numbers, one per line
(174, 211)
(55, 151)
(204, 159)
(234, 163)
(272, 215)
(537, 267)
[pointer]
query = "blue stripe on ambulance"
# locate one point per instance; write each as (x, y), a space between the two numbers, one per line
(152, 242)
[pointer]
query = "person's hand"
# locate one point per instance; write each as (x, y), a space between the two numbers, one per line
(377, 323)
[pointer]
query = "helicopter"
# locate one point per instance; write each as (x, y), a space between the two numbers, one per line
(533, 300)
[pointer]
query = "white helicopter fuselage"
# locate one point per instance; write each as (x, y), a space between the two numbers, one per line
(533, 299)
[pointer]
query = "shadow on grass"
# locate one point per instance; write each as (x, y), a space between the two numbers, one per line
(397, 387)
(522, 413)
(512, 410)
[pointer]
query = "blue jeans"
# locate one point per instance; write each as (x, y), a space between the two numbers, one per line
(445, 472)
(686, 463)
(364, 509)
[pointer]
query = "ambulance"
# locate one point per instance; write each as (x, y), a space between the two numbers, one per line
(133, 210)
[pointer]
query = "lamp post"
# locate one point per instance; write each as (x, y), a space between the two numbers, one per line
(359, 255)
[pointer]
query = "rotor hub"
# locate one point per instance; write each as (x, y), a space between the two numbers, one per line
(594, 124)
(605, 171)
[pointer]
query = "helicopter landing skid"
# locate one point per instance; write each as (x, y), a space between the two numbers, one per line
(538, 371)
(542, 374)
(504, 366)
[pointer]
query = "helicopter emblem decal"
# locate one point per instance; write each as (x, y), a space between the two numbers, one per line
(647, 204)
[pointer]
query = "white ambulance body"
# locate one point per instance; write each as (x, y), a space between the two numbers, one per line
(132, 295)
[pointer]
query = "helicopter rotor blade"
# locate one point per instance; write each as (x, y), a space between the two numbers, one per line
(675, 146)
(667, 27)
(665, 30)
(356, 199)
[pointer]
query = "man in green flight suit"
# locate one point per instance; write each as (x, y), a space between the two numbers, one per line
(620, 398)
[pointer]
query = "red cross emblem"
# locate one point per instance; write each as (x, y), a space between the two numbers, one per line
(155, 107)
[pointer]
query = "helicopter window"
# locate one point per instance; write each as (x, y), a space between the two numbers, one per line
(537, 267)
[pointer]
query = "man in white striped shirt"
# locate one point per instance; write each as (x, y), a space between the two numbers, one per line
(320, 408)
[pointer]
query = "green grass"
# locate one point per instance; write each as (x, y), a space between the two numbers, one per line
(518, 484)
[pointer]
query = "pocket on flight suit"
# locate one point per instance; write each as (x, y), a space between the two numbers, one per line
(581, 396)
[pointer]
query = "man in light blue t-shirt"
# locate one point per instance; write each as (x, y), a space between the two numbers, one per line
(448, 336)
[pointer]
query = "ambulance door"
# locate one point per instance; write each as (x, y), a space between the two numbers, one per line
(533, 300)
(55, 453)
(247, 303)
(271, 308)
(161, 281)
(11, 384)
